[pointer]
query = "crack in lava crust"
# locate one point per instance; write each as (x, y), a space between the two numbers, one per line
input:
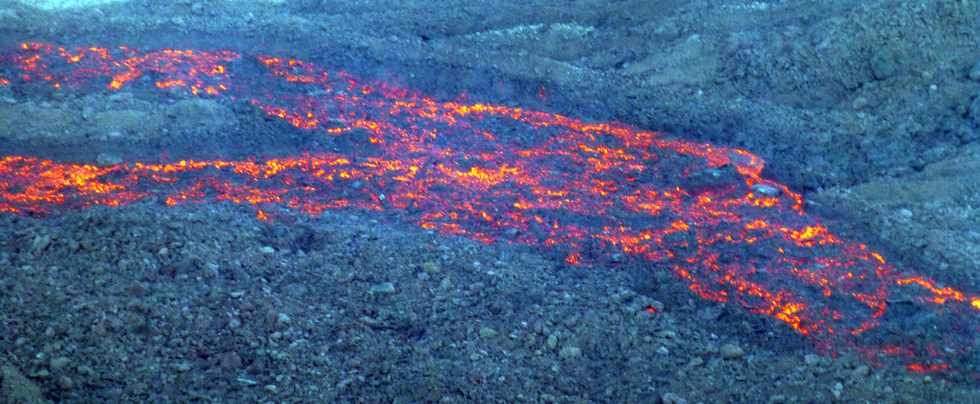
(589, 191)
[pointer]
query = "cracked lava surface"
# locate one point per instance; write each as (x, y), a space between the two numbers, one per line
(591, 192)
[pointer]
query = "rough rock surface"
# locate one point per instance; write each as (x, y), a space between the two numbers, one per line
(870, 108)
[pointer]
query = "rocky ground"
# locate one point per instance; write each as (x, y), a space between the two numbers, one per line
(108, 305)
(869, 108)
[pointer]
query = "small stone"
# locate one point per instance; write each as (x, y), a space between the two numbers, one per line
(710, 313)
(663, 350)
(671, 398)
(85, 370)
(731, 351)
(108, 159)
(570, 352)
(552, 341)
(859, 103)
(66, 383)
(283, 318)
(267, 250)
(837, 390)
(271, 388)
(384, 288)
(246, 381)
(431, 268)
(297, 290)
(183, 367)
(487, 332)
(975, 71)
(884, 65)
(230, 361)
(767, 190)
(862, 371)
(41, 242)
(811, 359)
(59, 363)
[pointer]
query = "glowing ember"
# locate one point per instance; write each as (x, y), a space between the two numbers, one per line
(496, 173)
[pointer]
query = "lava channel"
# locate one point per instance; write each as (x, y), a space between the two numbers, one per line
(591, 192)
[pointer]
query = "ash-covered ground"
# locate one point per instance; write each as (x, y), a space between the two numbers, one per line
(870, 109)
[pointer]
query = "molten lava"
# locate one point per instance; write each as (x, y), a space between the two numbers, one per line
(503, 174)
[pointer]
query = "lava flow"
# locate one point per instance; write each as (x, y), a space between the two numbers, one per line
(592, 192)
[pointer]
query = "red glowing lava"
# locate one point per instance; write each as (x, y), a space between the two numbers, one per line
(503, 174)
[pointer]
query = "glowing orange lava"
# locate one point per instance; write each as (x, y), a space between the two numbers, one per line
(496, 173)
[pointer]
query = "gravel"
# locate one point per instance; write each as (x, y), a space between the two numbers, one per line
(865, 106)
